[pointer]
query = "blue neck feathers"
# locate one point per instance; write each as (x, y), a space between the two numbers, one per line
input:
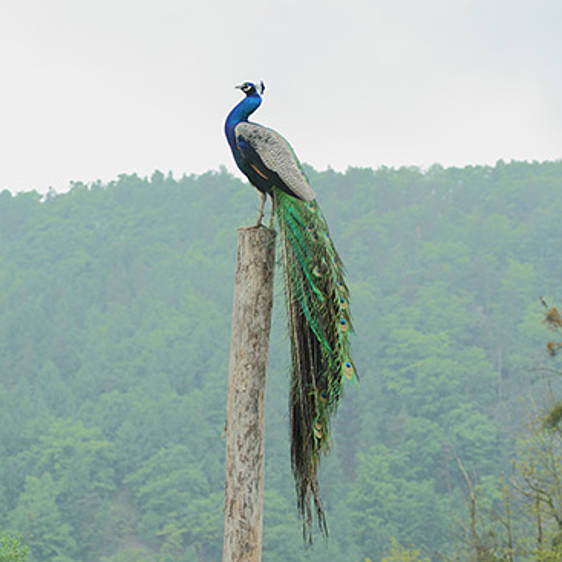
(240, 113)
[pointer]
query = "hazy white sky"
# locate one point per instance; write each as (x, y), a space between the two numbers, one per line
(94, 88)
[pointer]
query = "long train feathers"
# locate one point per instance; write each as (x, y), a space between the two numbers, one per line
(317, 300)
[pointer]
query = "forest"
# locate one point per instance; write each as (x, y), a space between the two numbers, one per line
(115, 311)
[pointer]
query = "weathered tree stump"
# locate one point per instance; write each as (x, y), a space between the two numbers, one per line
(245, 410)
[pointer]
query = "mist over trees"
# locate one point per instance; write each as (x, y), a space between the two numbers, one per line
(115, 309)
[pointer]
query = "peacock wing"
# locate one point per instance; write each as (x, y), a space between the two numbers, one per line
(277, 156)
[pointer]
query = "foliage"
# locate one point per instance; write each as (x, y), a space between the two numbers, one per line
(399, 553)
(115, 309)
(12, 549)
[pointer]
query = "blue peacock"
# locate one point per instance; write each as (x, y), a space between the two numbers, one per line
(316, 293)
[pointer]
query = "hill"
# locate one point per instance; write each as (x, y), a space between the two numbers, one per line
(115, 307)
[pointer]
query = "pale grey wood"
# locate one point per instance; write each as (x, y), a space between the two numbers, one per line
(245, 409)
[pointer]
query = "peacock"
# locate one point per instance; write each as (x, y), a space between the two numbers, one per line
(317, 295)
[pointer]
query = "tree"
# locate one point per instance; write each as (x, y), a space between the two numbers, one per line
(38, 517)
(385, 503)
(399, 553)
(12, 549)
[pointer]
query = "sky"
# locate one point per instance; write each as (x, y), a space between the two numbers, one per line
(93, 89)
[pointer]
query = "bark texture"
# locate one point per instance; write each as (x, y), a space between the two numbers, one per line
(245, 410)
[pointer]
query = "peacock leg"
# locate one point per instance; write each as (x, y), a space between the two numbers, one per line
(273, 209)
(262, 205)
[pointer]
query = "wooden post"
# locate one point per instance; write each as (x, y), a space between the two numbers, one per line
(245, 409)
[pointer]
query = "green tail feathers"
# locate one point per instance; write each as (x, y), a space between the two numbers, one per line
(319, 326)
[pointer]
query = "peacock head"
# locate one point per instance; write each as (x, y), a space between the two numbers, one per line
(249, 88)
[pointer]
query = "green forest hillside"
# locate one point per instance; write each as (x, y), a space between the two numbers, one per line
(115, 309)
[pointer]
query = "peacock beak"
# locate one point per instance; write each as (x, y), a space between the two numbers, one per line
(240, 86)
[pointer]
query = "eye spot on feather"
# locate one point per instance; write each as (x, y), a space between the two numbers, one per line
(312, 231)
(348, 369)
(311, 206)
(339, 284)
(343, 324)
(317, 272)
(323, 397)
(318, 430)
(343, 303)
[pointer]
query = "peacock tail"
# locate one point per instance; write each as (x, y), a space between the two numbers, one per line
(319, 325)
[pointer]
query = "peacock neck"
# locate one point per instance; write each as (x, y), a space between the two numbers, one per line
(240, 113)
